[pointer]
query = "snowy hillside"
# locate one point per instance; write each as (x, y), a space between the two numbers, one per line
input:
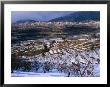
(70, 58)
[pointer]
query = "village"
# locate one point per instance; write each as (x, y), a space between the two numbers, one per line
(56, 25)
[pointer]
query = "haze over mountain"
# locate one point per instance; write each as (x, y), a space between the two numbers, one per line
(79, 16)
(54, 16)
(37, 15)
(26, 20)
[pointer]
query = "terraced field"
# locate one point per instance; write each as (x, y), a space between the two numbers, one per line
(75, 57)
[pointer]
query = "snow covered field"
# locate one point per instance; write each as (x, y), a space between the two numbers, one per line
(33, 74)
(55, 73)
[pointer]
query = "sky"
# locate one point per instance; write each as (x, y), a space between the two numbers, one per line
(37, 15)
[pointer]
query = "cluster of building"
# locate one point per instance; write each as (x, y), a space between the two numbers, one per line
(59, 25)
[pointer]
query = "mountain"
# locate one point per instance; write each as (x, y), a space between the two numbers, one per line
(79, 16)
(27, 20)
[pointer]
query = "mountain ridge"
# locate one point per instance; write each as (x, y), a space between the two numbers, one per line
(79, 17)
